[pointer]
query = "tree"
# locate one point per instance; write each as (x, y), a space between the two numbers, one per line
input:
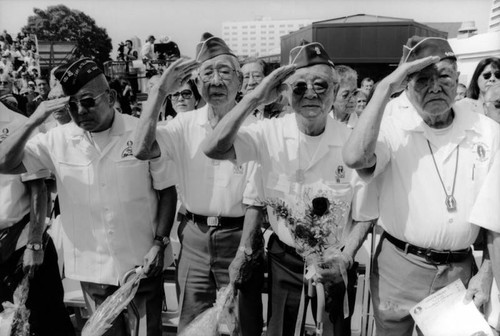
(59, 23)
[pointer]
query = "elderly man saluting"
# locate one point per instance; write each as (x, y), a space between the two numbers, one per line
(431, 158)
(301, 156)
(220, 234)
(116, 211)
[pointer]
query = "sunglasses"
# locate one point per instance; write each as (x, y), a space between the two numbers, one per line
(4, 82)
(186, 94)
(487, 75)
(301, 88)
(84, 103)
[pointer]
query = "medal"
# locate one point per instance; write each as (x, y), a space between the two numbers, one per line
(451, 203)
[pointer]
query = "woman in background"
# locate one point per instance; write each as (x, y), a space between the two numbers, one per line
(487, 74)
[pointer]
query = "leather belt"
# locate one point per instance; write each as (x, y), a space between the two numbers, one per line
(215, 220)
(437, 257)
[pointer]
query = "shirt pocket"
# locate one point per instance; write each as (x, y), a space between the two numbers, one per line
(228, 173)
(133, 179)
(77, 179)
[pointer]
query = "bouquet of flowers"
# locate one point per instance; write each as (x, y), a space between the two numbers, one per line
(108, 311)
(223, 311)
(14, 320)
(316, 221)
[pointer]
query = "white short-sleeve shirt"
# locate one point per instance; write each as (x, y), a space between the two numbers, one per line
(14, 195)
(207, 187)
(411, 198)
(108, 199)
(282, 150)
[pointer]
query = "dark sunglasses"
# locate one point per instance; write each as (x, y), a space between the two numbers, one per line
(487, 75)
(300, 88)
(85, 102)
(186, 94)
(4, 82)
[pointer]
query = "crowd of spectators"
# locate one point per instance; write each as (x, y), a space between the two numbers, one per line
(20, 83)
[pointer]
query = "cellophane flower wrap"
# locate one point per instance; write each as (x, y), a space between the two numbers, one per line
(14, 320)
(108, 311)
(316, 218)
(223, 312)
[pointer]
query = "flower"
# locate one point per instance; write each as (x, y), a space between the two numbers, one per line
(320, 205)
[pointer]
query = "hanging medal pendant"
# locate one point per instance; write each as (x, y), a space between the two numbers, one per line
(451, 203)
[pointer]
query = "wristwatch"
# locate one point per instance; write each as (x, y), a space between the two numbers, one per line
(163, 240)
(34, 246)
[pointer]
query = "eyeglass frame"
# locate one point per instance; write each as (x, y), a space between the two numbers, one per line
(175, 96)
(208, 78)
(487, 75)
(293, 87)
(79, 102)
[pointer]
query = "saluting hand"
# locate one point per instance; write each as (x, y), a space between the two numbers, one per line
(47, 107)
(176, 75)
(398, 76)
(273, 85)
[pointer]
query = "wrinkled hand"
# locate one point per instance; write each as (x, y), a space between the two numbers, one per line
(176, 75)
(47, 107)
(272, 86)
(31, 261)
(331, 267)
(398, 76)
(153, 261)
(479, 288)
(239, 266)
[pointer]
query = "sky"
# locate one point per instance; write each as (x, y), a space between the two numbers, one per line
(184, 21)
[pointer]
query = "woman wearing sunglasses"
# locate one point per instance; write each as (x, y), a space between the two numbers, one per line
(487, 74)
(186, 99)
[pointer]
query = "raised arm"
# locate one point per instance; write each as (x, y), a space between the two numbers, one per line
(145, 146)
(220, 144)
(359, 151)
(12, 148)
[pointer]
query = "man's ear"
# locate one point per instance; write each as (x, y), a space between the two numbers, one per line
(112, 97)
(240, 79)
(336, 87)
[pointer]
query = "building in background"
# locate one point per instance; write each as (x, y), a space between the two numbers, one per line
(370, 44)
(260, 37)
(495, 16)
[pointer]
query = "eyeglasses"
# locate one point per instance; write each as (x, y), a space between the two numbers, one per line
(4, 82)
(487, 75)
(255, 75)
(300, 88)
(225, 73)
(87, 103)
(186, 94)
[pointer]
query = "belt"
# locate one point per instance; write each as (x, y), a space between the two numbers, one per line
(215, 220)
(438, 257)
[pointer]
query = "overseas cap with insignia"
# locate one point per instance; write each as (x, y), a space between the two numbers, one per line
(75, 75)
(309, 54)
(210, 47)
(419, 47)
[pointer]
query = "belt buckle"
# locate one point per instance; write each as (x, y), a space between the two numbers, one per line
(213, 221)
